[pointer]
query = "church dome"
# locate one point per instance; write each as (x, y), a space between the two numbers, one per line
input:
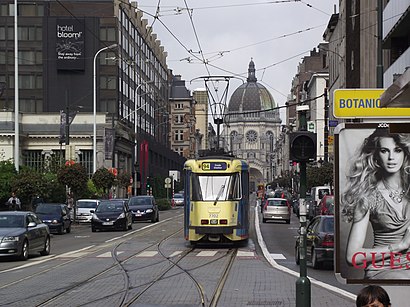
(251, 96)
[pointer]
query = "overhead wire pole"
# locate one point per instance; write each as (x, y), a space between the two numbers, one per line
(16, 93)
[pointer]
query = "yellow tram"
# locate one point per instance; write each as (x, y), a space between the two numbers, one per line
(216, 200)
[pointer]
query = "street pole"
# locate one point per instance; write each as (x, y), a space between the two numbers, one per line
(326, 127)
(303, 293)
(67, 122)
(95, 104)
(16, 93)
(379, 44)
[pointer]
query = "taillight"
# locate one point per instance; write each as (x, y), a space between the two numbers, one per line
(328, 241)
(204, 222)
(223, 222)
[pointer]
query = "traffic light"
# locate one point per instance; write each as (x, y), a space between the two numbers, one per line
(302, 146)
(148, 183)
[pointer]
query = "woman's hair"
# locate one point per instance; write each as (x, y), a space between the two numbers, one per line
(371, 293)
(365, 171)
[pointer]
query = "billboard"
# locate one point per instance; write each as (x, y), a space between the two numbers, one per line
(70, 38)
(372, 203)
(363, 103)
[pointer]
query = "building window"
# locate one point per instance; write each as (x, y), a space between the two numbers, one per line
(30, 33)
(251, 136)
(86, 160)
(108, 34)
(108, 82)
(179, 135)
(30, 82)
(179, 106)
(34, 159)
(179, 150)
(30, 58)
(179, 119)
(31, 105)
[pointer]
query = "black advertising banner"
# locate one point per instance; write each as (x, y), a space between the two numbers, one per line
(70, 40)
(109, 143)
(372, 203)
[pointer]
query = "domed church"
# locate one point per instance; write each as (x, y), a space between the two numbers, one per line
(251, 126)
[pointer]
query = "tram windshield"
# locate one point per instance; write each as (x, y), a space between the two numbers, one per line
(216, 187)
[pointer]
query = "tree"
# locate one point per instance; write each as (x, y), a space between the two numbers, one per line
(73, 175)
(123, 180)
(317, 176)
(103, 179)
(7, 173)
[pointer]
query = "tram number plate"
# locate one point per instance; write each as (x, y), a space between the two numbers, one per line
(213, 215)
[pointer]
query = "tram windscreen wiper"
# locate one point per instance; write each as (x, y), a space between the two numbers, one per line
(219, 194)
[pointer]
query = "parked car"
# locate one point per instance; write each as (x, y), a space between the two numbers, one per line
(83, 209)
(276, 209)
(23, 233)
(111, 214)
(319, 241)
(318, 192)
(326, 205)
(144, 207)
(56, 215)
(178, 200)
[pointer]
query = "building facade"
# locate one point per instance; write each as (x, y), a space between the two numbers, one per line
(99, 59)
(252, 127)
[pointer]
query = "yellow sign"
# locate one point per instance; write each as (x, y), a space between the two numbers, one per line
(353, 103)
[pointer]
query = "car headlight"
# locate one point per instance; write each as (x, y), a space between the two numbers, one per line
(121, 216)
(95, 217)
(10, 239)
(149, 210)
(54, 221)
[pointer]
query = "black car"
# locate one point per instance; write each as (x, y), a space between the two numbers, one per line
(111, 214)
(22, 233)
(56, 215)
(144, 208)
(319, 241)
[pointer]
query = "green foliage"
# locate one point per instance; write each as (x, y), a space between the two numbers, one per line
(7, 173)
(317, 176)
(27, 185)
(75, 177)
(55, 191)
(103, 179)
(163, 204)
(123, 180)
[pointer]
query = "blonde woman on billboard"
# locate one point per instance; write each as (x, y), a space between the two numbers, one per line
(377, 192)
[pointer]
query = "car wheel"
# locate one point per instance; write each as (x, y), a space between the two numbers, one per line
(46, 250)
(287, 221)
(263, 220)
(315, 263)
(157, 217)
(24, 251)
(93, 229)
(297, 256)
(68, 230)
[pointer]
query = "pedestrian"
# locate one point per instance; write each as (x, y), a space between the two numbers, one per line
(377, 192)
(70, 200)
(14, 202)
(373, 296)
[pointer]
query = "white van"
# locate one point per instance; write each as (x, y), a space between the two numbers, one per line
(83, 208)
(318, 192)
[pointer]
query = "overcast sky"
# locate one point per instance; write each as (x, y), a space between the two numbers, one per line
(226, 34)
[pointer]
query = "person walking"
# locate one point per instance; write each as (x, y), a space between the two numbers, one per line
(377, 192)
(14, 202)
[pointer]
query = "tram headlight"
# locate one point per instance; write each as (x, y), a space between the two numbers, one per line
(214, 222)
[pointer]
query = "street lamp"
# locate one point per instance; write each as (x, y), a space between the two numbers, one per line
(95, 105)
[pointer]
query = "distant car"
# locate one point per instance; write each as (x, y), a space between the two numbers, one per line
(319, 242)
(326, 205)
(276, 209)
(111, 214)
(23, 233)
(178, 200)
(144, 208)
(83, 209)
(56, 215)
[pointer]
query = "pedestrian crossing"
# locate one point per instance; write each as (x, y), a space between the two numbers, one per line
(150, 254)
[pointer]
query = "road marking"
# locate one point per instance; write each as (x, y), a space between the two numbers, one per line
(75, 253)
(176, 253)
(147, 254)
(207, 253)
(108, 255)
(277, 256)
(245, 254)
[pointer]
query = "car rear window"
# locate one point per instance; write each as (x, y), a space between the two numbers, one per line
(143, 201)
(277, 203)
(87, 204)
(178, 196)
(48, 209)
(328, 225)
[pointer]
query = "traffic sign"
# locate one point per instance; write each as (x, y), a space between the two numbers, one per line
(167, 180)
(357, 103)
(167, 186)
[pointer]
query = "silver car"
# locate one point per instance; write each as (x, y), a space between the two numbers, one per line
(276, 209)
(23, 233)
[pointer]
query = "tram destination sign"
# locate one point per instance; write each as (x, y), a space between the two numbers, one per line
(359, 103)
(214, 166)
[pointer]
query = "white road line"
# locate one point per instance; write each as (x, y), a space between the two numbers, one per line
(107, 255)
(277, 256)
(176, 253)
(289, 271)
(206, 253)
(245, 254)
(147, 254)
